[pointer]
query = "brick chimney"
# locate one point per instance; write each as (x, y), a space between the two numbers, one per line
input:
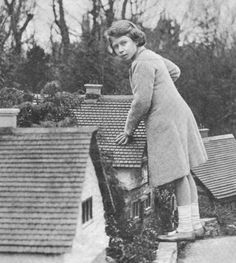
(204, 132)
(93, 92)
(8, 117)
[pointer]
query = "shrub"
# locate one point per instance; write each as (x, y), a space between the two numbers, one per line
(10, 97)
(131, 243)
(52, 109)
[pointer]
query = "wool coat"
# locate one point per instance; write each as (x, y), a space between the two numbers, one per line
(174, 144)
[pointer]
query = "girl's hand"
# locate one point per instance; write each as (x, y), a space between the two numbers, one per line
(122, 138)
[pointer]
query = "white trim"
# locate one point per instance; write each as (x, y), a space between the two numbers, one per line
(9, 111)
(218, 137)
(79, 130)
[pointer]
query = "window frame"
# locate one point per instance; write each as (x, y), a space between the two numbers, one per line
(87, 210)
(148, 202)
(145, 173)
(136, 209)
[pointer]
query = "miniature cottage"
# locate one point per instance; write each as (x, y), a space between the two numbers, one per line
(129, 162)
(51, 208)
(218, 174)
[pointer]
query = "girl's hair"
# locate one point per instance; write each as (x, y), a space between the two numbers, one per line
(125, 28)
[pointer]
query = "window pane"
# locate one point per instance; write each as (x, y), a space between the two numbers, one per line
(90, 208)
(133, 210)
(136, 209)
(83, 212)
(87, 210)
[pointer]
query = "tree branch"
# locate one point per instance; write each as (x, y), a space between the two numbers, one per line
(5, 34)
(18, 10)
(10, 6)
(3, 23)
(28, 18)
(123, 11)
(55, 13)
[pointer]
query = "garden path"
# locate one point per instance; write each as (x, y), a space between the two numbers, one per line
(212, 250)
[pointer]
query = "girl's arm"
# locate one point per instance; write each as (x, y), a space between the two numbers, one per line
(143, 76)
(173, 69)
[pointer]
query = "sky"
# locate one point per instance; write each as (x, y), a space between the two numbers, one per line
(74, 10)
(43, 19)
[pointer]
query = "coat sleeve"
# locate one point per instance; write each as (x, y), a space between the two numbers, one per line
(142, 82)
(173, 69)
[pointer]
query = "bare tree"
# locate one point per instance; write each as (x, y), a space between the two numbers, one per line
(18, 11)
(96, 14)
(124, 7)
(108, 11)
(204, 20)
(59, 18)
(4, 30)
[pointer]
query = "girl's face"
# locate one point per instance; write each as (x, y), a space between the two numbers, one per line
(124, 47)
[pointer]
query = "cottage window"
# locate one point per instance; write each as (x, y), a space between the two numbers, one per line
(173, 203)
(147, 202)
(87, 210)
(136, 209)
(145, 173)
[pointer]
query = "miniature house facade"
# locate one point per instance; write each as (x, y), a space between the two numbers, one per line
(50, 202)
(129, 162)
(138, 200)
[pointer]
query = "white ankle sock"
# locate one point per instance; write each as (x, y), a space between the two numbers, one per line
(195, 216)
(185, 221)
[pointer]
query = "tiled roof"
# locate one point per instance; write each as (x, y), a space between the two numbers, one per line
(109, 115)
(41, 176)
(218, 174)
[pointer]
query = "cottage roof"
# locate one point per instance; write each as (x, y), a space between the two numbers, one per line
(218, 174)
(109, 114)
(41, 176)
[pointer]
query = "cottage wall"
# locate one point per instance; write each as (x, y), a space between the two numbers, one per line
(91, 239)
(134, 182)
(130, 178)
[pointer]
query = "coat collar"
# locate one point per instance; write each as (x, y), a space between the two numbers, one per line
(139, 51)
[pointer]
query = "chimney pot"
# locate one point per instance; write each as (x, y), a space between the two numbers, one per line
(8, 117)
(93, 92)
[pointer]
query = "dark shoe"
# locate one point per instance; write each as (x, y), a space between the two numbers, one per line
(178, 236)
(199, 233)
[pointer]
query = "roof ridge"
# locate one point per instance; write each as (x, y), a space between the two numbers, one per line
(118, 97)
(219, 137)
(104, 97)
(80, 129)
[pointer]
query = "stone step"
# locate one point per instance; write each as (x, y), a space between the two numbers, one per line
(166, 253)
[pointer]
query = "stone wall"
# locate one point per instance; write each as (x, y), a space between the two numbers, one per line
(135, 187)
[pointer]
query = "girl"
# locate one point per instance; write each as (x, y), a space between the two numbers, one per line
(173, 140)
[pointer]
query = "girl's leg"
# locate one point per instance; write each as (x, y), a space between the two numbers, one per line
(182, 191)
(185, 228)
(183, 196)
(194, 203)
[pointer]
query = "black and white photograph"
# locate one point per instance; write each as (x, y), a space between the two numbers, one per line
(117, 131)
